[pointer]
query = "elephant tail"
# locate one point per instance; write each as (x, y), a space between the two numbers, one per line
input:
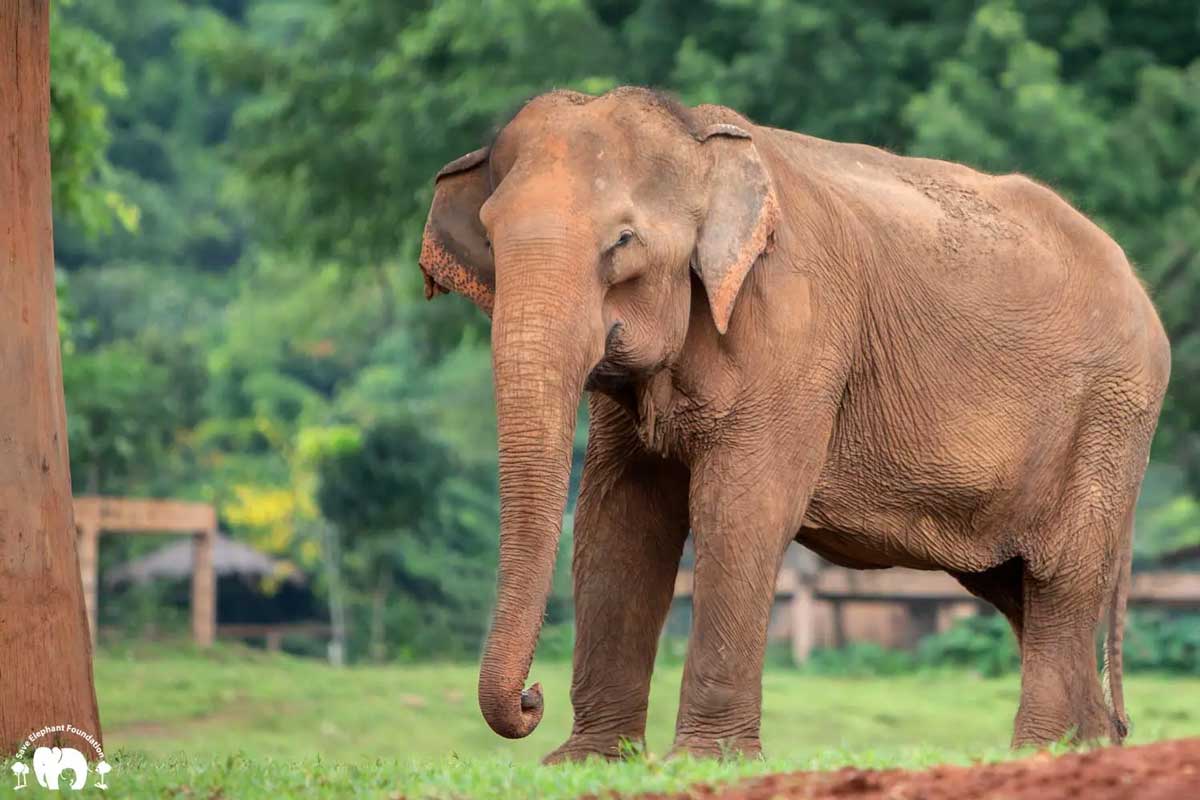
(1115, 635)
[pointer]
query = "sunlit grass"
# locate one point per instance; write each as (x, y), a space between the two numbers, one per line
(237, 723)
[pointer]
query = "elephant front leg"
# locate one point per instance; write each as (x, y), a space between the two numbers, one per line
(629, 532)
(744, 514)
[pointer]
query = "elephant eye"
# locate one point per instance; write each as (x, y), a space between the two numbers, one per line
(625, 238)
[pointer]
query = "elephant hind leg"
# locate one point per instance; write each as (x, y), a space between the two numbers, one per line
(1003, 587)
(1060, 681)
(1072, 577)
(1067, 588)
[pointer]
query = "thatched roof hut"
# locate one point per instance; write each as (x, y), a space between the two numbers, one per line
(230, 557)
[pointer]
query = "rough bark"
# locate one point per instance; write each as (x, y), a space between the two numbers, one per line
(45, 651)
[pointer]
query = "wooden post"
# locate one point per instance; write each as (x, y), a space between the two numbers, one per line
(839, 623)
(204, 589)
(803, 617)
(89, 551)
(45, 648)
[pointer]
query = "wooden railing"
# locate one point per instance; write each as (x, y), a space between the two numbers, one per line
(820, 609)
(273, 633)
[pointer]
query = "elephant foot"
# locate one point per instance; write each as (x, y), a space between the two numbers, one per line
(1063, 702)
(724, 749)
(581, 747)
(1084, 722)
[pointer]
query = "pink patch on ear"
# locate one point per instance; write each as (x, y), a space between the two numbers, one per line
(447, 274)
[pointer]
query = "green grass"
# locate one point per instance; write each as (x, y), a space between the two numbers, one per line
(237, 723)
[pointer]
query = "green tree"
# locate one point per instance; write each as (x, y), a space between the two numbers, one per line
(279, 156)
(413, 522)
(86, 77)
(157, 128)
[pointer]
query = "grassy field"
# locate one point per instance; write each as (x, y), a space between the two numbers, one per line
(238, 723)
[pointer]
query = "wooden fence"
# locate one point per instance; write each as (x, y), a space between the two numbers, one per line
(833, 606)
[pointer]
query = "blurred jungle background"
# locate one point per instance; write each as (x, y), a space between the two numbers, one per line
(240, 188)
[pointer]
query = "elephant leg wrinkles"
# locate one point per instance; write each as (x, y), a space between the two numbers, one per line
(1060, 686)
(629, 534)
(1069, 581)
(740, 539)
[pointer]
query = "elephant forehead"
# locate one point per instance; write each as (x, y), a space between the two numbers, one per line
(611, 140)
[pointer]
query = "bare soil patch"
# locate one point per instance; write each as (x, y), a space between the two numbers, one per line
(1162, 771)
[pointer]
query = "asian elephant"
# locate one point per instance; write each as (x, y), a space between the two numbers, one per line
(894, 361)
(49, 763)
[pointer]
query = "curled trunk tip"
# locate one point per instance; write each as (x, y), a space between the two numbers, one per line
(513, 715)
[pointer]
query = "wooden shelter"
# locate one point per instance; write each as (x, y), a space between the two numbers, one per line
(98, 515)
(177, 560)
(245, 614)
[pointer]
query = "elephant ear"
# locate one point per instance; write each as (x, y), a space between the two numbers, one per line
(741, 217)
(454, 251)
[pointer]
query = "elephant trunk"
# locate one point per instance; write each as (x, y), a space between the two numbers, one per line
(540, 354)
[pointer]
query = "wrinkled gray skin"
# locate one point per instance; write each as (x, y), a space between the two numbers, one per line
(895, 361)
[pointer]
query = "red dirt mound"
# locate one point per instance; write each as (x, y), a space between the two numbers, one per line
(1163, 771)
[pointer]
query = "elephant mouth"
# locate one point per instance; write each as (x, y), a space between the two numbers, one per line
(609, 377)
(615, 373)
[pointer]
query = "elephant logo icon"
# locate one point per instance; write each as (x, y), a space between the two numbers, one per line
(49, 763)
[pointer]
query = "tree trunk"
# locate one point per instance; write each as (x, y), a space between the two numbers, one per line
(378, 643)
(337, 604)
(45, 649)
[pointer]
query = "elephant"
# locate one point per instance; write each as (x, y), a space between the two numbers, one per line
(894, 361)
(49, 763)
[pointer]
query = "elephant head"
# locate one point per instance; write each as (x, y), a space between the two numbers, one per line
(50, 762)
(590, 231)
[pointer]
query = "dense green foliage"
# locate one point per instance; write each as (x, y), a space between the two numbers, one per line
(417, 530)
(240, 187)
(1154, 642)
(1164, 643)
(984, 645)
